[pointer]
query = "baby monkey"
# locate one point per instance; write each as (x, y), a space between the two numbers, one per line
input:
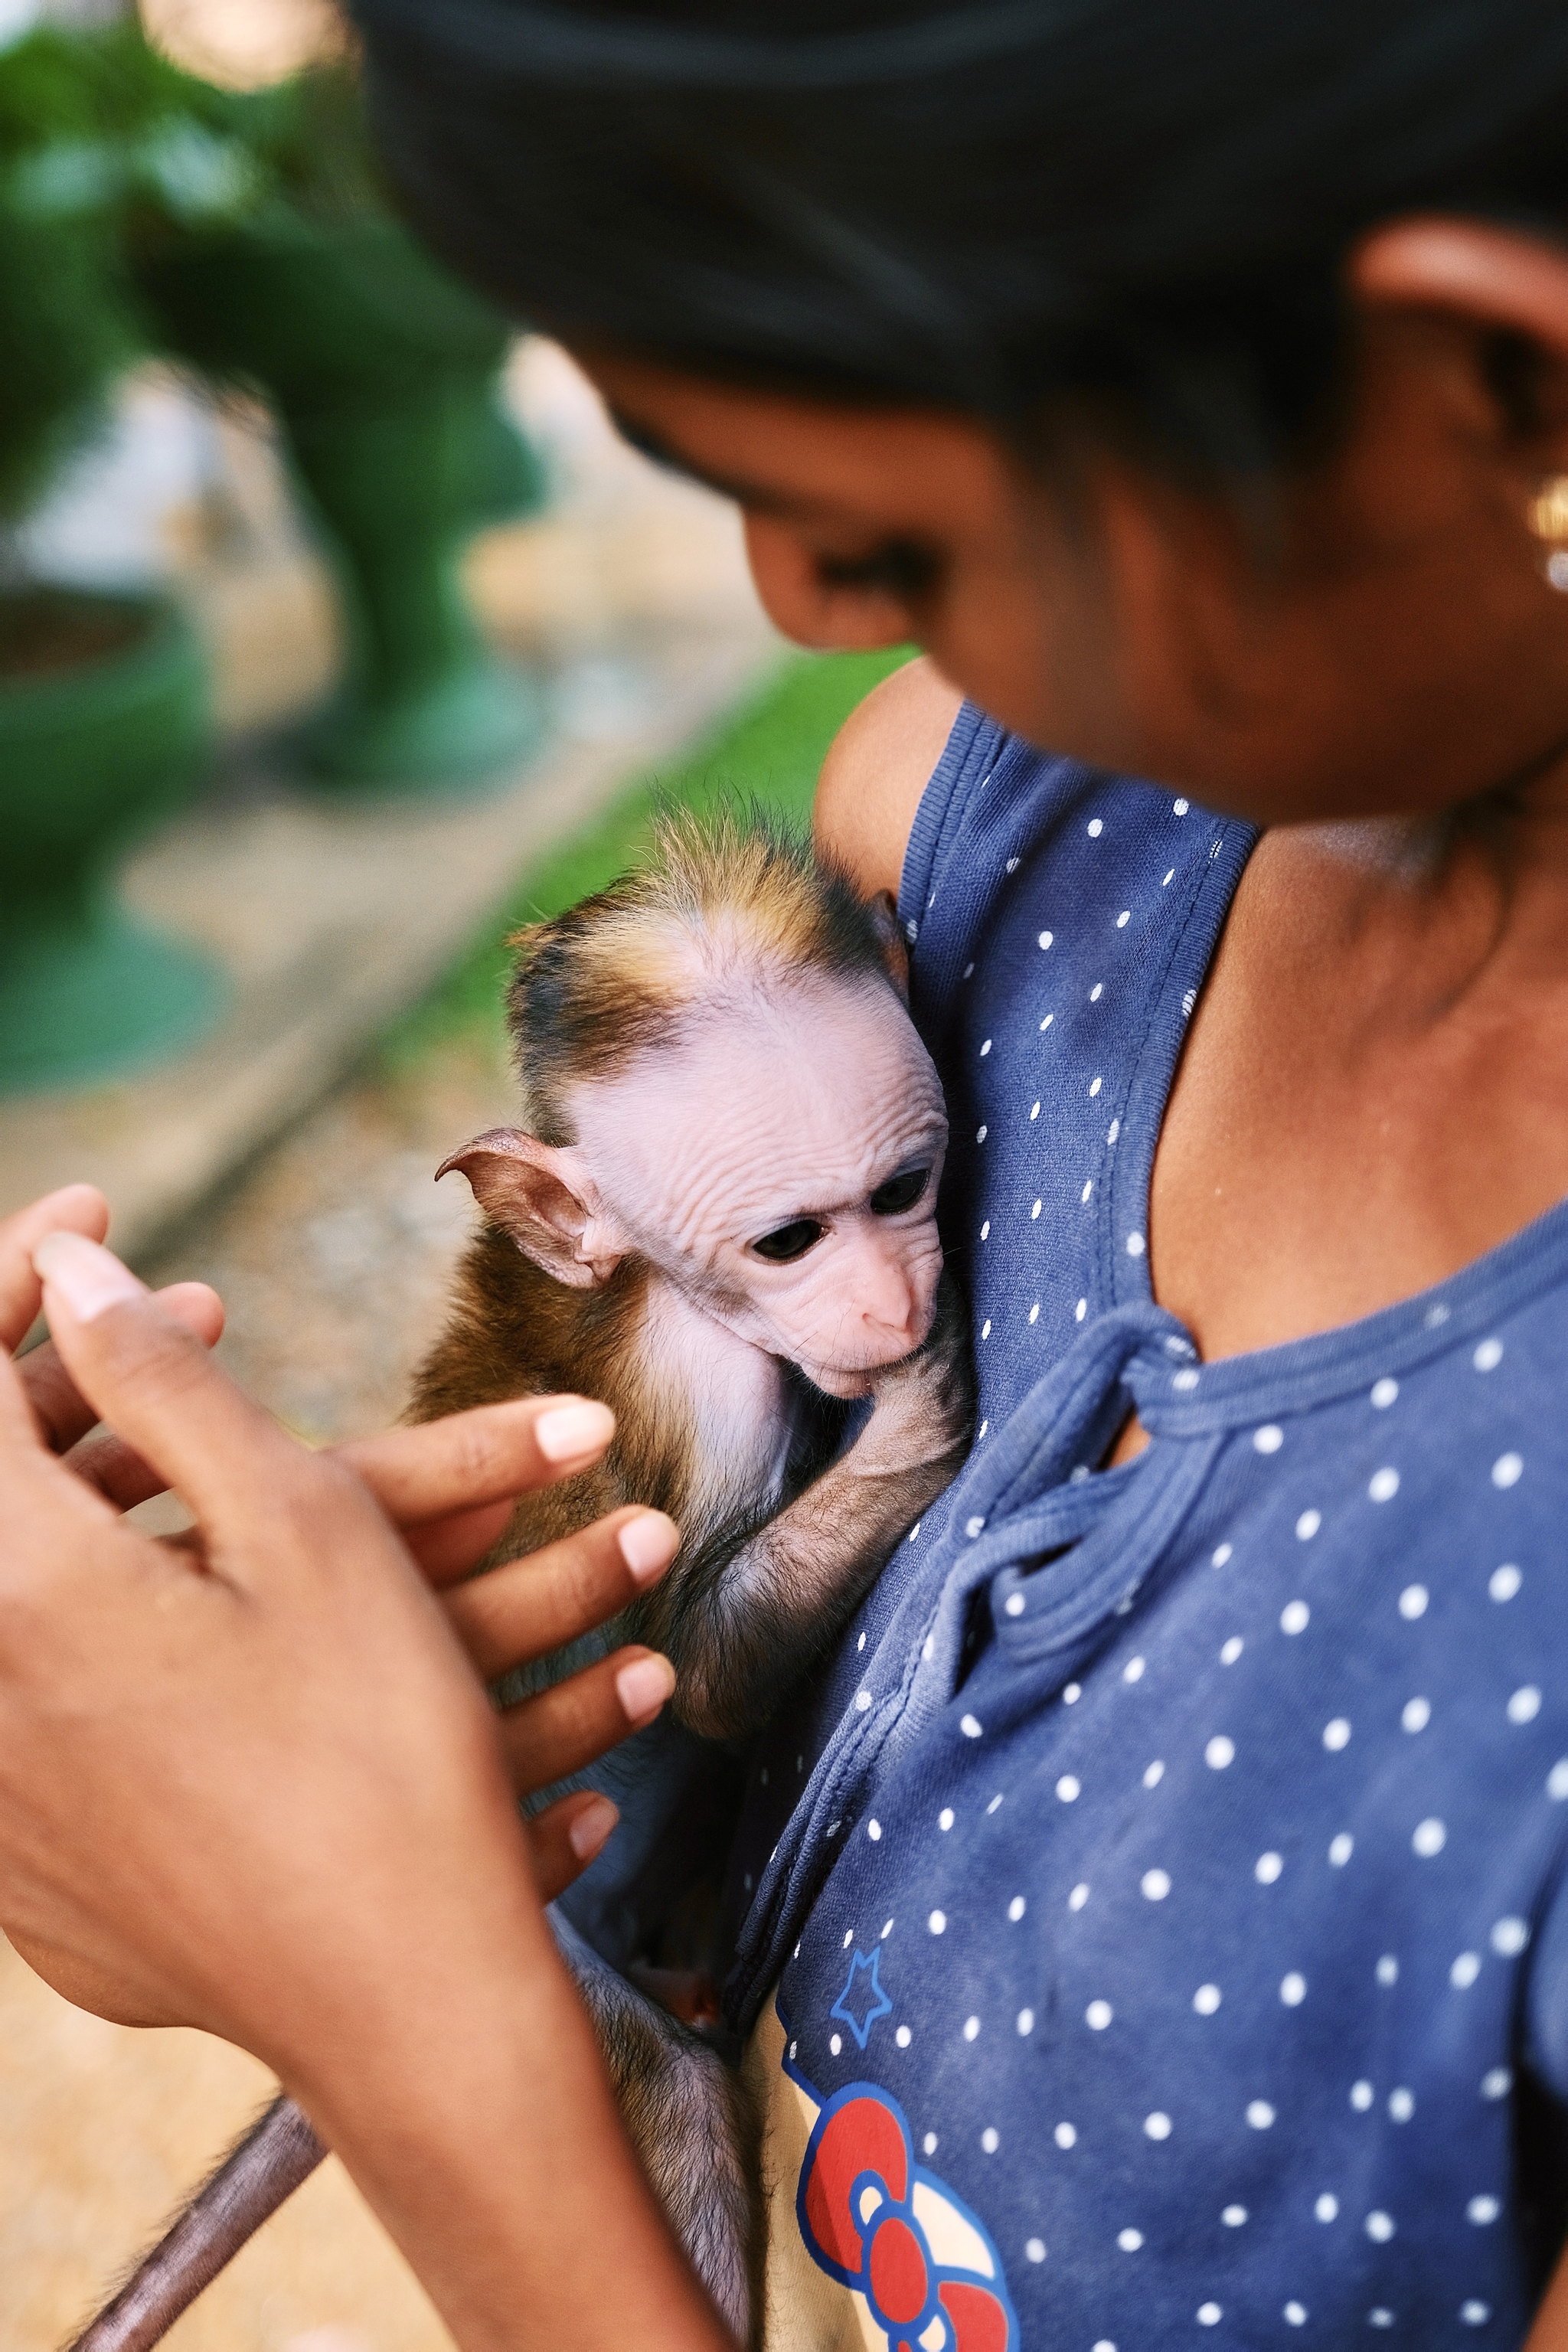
(718, 1215)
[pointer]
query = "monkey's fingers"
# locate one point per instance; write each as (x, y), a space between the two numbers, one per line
(532, 1606)
(569, 1725)
(490, 1455)
(564, 1838)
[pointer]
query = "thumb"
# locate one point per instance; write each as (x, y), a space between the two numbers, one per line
(153, 1382)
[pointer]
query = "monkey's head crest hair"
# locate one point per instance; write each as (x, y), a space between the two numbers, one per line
(722, 907)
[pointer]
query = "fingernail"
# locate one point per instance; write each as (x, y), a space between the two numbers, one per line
(591, 1827)
(649, 1543)
(572, 1429)
(644, 1685)
(86, 1276)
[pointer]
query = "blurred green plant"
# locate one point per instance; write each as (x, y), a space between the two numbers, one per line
(109, 157)
(65, 322)
(96, 130)
(246, 237)
(767, 753)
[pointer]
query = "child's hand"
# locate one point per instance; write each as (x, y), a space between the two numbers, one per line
(63, 1415)
(450, 1486)
(249, 1781)
(277, 1677)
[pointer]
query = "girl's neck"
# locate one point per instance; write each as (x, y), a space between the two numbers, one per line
(1426, 909)
(1371, 1091)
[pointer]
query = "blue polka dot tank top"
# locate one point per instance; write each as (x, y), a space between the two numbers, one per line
(1160, 1890)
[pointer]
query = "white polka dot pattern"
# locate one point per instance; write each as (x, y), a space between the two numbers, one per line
(1258, 1953)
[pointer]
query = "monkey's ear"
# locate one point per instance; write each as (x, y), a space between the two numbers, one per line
(545, 1200)
(884, 913)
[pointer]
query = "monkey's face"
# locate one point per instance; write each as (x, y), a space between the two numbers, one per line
(781, 1166)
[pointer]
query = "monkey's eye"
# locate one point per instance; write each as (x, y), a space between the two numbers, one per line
(790, 1241)
(900, 1193)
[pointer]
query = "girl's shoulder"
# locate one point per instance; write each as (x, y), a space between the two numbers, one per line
(877, 770)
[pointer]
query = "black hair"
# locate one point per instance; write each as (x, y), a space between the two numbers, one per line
(1136, 208)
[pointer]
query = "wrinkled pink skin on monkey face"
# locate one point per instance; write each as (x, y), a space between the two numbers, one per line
(795, 1103)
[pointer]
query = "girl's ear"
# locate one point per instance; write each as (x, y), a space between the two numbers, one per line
(884, 914)
(544, 1197)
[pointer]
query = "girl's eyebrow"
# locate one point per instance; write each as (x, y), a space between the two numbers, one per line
(653, 446)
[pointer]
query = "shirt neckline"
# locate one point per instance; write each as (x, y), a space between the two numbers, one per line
(1195, 1397)
(1296, 1374)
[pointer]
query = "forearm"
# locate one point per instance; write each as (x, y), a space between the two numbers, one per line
(481, 2127)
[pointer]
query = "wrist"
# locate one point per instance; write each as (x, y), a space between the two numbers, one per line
(474, 2113)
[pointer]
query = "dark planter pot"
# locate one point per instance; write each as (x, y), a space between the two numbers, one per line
(95, 750)
(383, 373)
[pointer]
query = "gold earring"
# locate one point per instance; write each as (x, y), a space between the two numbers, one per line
(1547, 516)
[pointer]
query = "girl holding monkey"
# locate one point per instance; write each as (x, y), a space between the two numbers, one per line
(1194, 384)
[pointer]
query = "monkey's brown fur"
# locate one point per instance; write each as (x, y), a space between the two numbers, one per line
(719, 904)
(516, 1331)
(720, 908)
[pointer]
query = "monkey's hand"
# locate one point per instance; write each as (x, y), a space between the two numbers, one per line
(923, 1410)
(691, 2119)
(748, 1611)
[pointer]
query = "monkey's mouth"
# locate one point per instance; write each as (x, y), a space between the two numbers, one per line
(844, 1384)
(848, 1381)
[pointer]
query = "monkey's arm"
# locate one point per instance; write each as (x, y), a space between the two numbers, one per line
(688, 2114)
(755, 1606)
(689, 2117)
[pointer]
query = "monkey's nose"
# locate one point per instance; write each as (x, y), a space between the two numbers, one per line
(892, 1313)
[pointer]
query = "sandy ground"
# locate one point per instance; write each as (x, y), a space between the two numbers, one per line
(333, 1253)
(105, 2129)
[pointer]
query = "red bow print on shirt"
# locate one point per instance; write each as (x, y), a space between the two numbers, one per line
(884, 2226)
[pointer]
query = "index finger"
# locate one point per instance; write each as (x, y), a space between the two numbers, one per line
(488, 1455)
(64, 1413)
(74, 1208)
(157, 1387)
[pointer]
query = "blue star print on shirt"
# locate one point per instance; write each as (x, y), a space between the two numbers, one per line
(863, 1972)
